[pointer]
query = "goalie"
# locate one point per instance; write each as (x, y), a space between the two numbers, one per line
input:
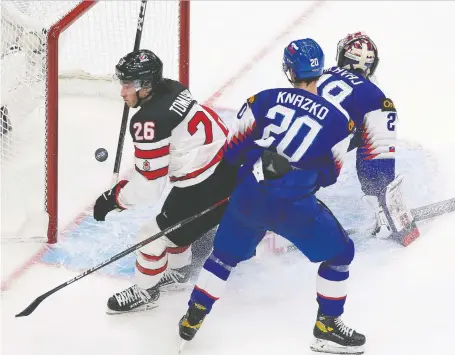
(349, 88)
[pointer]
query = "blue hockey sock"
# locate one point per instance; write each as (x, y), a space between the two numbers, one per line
(331, 288)
(331, 284)
(211, 282)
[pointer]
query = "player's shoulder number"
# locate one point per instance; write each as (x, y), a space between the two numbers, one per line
(204, 119)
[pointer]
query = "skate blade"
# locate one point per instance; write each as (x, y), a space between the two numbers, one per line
(175, 288)
(182, 345)
(329, 347)
(139, 309)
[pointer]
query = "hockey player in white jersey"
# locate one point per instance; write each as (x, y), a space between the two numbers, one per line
(349, 88)
(175, 139)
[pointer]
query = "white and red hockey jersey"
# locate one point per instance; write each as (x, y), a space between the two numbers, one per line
(175, 139)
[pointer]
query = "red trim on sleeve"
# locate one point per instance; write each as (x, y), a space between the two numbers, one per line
(198, 172)
(118, 188)
(152, 153)
(154, 174)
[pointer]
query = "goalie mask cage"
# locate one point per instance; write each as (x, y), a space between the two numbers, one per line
(55, 48)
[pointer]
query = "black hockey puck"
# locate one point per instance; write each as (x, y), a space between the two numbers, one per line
(101, 154)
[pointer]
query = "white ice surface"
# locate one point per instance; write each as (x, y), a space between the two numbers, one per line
(401, 298)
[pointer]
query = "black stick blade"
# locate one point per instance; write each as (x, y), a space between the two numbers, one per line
(29, 310)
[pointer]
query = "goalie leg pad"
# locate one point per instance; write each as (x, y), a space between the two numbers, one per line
(399, 215)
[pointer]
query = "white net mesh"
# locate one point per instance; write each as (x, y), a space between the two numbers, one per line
(88, 52)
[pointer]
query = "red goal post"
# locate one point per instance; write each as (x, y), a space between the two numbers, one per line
(32, 24)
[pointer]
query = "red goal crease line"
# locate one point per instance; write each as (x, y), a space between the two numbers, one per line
(301, 18)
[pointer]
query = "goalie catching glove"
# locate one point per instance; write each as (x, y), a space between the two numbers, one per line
(108, 202)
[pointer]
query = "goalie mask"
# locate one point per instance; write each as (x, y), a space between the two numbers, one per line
(357, 52)
(141, 68)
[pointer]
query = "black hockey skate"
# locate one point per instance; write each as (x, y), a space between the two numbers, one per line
(133, 299)
(191, 322)
(334, 337)
(174, 279)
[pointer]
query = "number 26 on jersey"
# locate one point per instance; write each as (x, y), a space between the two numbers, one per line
(144, 131)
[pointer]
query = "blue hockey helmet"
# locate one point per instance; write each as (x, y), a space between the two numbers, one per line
(305, 58)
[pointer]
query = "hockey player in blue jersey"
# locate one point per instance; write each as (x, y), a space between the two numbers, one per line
(290, 143)
(348, 87)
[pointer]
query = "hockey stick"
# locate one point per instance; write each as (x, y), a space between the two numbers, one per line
(433, 210)
(424, 212)
(419, 214)
(27, 311)
(126, 108)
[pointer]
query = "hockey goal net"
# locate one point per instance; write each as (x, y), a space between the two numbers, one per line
(57, 65)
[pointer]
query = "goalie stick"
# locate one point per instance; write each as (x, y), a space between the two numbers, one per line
(126, 108)
(433, 210)
(418, 214)
(424, 212)
(401, 220)
(27, 311)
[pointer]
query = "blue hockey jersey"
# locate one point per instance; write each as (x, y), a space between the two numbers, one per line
(375, 118)
(310, 132)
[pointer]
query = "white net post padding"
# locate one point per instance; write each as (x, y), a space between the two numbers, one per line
(98, 34)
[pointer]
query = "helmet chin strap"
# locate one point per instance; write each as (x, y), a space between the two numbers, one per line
(288, 76)
(140, 101)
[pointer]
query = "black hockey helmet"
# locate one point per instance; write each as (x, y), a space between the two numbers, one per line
(143, 67)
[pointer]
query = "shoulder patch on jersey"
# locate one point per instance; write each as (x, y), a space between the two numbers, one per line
(387, 105)
(351, 125)
(251, 99)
